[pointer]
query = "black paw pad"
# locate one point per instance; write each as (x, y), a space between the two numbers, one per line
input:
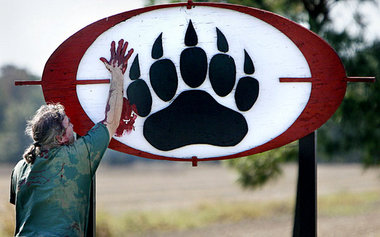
(194, 117)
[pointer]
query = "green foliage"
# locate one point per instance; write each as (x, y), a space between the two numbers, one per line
(254, 171)
(289, 8)
(17, 104)
(313, 13)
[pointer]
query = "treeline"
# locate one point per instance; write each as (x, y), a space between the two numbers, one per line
(17, 105)
(353, 133)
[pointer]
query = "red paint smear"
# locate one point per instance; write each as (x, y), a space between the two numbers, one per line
(40, 179)
(128, 118)
(108, 107)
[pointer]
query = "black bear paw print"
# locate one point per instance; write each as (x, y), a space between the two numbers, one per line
(194, 116)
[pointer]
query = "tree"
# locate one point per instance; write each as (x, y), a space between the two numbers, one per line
(255, 171)
(17, 104)
(354, 130)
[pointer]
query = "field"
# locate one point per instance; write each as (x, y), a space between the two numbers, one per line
(175, 199)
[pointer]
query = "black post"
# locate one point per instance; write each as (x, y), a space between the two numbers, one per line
(91, 228)
(305, 220)
(91, 225)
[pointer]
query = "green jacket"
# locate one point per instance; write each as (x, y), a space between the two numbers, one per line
(52, 195)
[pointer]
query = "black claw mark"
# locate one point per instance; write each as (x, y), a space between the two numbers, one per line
(134, 72)
(221, 41)
(249, 68)
(191, 38)
(157, 50)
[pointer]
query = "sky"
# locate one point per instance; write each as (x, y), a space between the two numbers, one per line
(32, 30)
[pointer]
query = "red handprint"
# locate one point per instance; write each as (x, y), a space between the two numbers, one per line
(117, 56)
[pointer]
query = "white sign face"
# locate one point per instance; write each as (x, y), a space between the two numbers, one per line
(220, 73)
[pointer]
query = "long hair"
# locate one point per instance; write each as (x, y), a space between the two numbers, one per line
(43, 128)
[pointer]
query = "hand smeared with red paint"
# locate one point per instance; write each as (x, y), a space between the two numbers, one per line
(117, 56)
(117, 65)
(128, 117)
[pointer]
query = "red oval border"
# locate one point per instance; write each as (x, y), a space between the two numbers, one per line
(328, 77)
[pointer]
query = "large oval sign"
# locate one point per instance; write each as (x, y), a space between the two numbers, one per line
(206, 80)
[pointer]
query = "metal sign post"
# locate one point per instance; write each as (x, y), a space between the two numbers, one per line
(305, 220)
(91, 226)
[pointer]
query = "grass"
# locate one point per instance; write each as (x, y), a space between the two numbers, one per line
(7, 220)
(344, 203)
(182, 219)
(143, 222)
(207, 213)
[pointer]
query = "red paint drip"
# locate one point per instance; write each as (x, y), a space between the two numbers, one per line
(128, 118)
(44, 155)
(108, 107)
(41, 179)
